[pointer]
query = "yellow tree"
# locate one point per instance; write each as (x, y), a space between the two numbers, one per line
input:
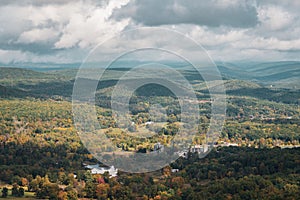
(102, 191)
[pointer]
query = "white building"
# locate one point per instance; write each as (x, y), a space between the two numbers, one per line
(174, 170)
(149, 123)
(95, 169)
(199, 148)
(158, 147)
(183, 154)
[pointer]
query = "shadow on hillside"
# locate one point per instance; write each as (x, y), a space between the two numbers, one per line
(278, 95)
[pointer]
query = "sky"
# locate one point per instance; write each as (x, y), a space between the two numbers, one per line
(65, 31)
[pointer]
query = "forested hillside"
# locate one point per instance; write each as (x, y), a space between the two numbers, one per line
(41, 155)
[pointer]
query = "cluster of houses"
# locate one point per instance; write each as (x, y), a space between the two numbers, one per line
(158, 147)
(252, 117)
(96, 169)
(200, 149)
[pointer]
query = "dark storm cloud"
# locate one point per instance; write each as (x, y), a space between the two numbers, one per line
(208, 13)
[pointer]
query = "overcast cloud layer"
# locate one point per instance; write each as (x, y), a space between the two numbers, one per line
(64, 31)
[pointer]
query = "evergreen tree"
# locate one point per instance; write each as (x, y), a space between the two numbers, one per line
(4, 192)
(15, 190)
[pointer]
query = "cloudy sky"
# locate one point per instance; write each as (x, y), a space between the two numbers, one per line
(64, 31)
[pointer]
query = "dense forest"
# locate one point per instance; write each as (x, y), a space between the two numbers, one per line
(41, 155)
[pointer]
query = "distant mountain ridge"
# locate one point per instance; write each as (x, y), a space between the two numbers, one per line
(21, 73)
(272, 74)
(254, 79)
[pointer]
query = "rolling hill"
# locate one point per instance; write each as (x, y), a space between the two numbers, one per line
(271, 74)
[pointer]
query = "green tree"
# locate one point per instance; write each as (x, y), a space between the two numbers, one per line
(72, 195)
(21, 192)
(4, 192)
(48, 190)
(90, 189)
(15, 190)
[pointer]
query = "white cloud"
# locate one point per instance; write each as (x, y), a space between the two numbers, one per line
(269, 44)
(275, 18)
(30, 28)
(8, 56)
(43, 35)
(86, 29)
(217, 38)
(64, 30)
(86, 32)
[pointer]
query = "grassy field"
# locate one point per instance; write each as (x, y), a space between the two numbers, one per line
(27, 196)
